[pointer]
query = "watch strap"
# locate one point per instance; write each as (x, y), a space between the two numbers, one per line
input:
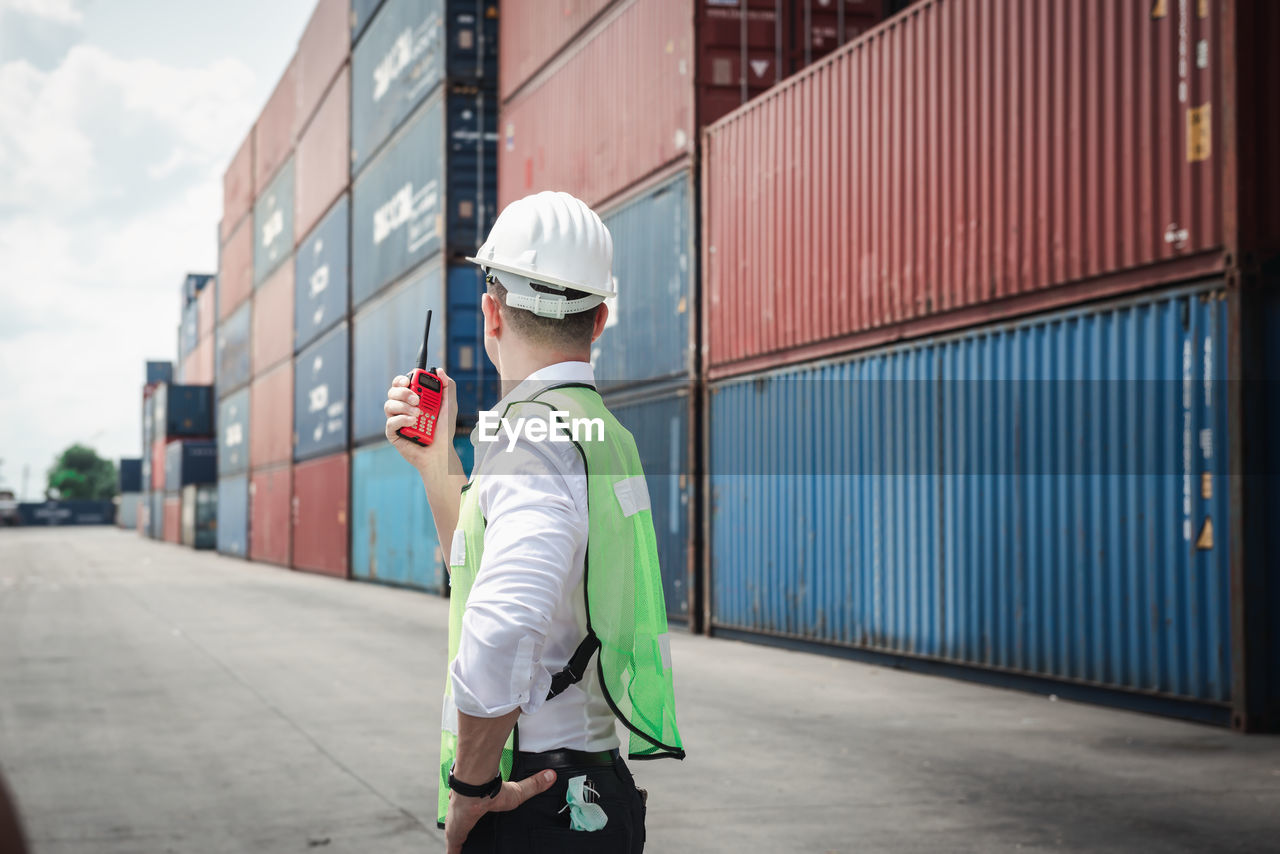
(484, 790)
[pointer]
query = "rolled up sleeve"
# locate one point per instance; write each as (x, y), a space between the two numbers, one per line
(534, 525)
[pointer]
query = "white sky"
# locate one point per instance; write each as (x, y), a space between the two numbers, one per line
(117, 120)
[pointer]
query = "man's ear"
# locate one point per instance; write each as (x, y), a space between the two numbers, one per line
(602, 317)
(492, 315)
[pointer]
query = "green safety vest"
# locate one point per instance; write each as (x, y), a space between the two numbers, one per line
(622, 585)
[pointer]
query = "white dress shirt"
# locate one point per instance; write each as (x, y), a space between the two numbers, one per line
(525, 614)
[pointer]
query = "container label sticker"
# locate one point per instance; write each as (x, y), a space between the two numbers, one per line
(1205, 540)
(1199, 134)
(1206, 486)
(1160, 9)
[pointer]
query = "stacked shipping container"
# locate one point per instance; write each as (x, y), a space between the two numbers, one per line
(1043, 498)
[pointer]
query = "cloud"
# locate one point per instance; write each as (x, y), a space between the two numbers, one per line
(112, 192)
(59, 11)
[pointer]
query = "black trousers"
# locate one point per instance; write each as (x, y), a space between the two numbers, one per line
(541, 824)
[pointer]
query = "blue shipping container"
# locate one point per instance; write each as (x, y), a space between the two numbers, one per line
(1045, 497)
(193, 284)
(188, 332)
(467, 363)
(67, 512)
(233, 515)
(155, 517)
(129, 476)
(192, 461)
(183, 410)
(393, 538)
(407, 206)
(362, 12)
(320, 396)
(388, 335)
(649, 336)
(233, 433)
(159, 372)
(273, 224)
(233, 344)
(660, 423)
(320, 276)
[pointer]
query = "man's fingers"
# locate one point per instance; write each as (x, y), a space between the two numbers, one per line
(400, 381)
(395, 407)
(399, 393)
(395, 422)
(535, 785)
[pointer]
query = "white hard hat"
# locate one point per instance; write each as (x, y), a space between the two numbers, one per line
(551, 239)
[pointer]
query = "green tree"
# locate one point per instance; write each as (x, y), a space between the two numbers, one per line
(80, 473)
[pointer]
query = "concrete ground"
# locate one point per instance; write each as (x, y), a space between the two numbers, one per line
(156, 699)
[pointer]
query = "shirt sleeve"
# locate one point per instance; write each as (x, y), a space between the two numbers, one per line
(535, 525)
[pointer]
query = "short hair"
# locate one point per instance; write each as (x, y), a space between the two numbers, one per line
(573, 330)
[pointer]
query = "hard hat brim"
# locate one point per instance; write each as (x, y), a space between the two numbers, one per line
(543, 279)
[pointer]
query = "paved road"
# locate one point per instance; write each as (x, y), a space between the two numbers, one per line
(155, 699)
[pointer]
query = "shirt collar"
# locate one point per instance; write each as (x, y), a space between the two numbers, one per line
(544, 378)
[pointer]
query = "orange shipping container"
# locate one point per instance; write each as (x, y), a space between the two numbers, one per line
(273, 134)
(965, 162)
(173, 519)
(324, 47)
(273, 319)
(324, 157)
(206, 310)
(271, 417)
(198, 368)
(320, 515)
(235, 276)
(237, 188)
(529, 38)
(270, 496)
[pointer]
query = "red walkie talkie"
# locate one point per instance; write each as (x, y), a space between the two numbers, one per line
(427, 386)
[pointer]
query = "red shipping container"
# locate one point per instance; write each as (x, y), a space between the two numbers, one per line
(270, 496)
(273, 319)
(235, 273)
(173, 519)
(742, 51)
(320, 515)
(273, 134)
(198, 367)
(531, 34)
(817, 27)
(237, 188)
(206, 311)
(620, 106)
(324, 47)
(323, 162)
(157, 465)
(968, 161)
(271, 417)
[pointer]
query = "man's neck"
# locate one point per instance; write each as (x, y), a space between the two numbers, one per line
(518, 367)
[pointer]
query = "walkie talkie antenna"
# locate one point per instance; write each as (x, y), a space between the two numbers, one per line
(426, 336)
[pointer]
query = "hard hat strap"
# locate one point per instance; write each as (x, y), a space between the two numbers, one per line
(551, 305)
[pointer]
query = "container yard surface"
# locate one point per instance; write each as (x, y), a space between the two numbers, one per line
(153, 698)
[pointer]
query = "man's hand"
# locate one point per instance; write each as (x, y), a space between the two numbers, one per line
(401, 408)
(465, 812)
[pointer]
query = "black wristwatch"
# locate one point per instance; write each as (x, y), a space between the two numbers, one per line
(485, 790)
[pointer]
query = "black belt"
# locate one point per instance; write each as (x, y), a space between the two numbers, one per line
(564, 759)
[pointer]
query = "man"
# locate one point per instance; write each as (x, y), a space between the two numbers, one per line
(552, 561)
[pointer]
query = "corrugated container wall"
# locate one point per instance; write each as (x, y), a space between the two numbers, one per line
(129, 475)
(387, 336)
(530, 38)
(159, 372)
(273, 135)
(172, 531)
(200, 516)
(618, 108)
(324, 157)
(320, 276)
(190, 461)
(273, 224)
(1045, 498)
(322, 50)
(233, 515)
(467, 363)
(155, 516)
(235, 272)
(270, 509)
(661, 423)
(182, 411)
(233, 433)
(649, 333)
(273, 319)
(320, 515)
(199, 366)
(962, 163)
(271, 417)
(389, 542)
(320, 424)
(362, 12)
(237, 188)
(409, 49)
(127, 511)
(207, 310)
(234, 367)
